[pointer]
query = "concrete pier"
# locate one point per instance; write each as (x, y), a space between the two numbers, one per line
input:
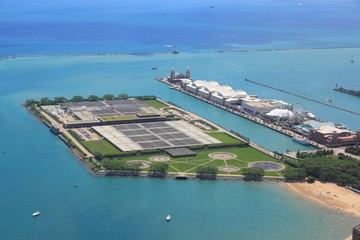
(245, 115)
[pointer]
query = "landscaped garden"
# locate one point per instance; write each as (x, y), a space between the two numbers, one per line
(226, 161)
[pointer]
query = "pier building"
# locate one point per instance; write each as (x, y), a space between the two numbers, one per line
(262, 106)
(334, 137)
(224, 95)
(290, 119)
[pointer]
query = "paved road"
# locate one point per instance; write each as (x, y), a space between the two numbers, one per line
(66, 133)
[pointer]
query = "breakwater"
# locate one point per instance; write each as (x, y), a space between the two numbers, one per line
(283, 49)
(348, 91)
(304, 97)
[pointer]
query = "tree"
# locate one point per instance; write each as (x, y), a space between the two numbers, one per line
(45, 101)
(310, 179)
(93, 98)
(77, 99)
(253, 174)
(108, 96)
(29, 102)
(295, 174)
(123, 96)
(60, 99)
(98, 155)
(158, 169)
(206, 172)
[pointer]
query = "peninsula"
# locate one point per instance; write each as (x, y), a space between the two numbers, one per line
(147, 137)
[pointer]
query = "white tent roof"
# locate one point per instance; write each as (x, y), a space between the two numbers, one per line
(281, 113)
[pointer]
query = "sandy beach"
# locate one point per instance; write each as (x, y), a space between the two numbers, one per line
(329, 194)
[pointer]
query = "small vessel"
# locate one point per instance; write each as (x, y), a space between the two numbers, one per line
(35, 214)
(154, 68)
(168, 217)
(329, 100)
(175, 51)
(302, 141)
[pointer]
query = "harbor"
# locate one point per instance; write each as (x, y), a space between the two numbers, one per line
(316, 133)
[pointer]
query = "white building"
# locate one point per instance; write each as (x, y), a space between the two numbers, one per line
(229, 97)
(261, 106)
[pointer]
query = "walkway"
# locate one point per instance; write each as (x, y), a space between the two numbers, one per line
(66, 133)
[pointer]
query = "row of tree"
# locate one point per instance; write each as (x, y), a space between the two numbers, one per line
(318, 153)
(160, 169)
(341, 170)
(77, 98)
(355, 150)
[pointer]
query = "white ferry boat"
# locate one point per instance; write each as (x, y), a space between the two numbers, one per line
(302, 141)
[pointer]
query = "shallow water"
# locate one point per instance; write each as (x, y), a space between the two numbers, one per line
(38, 172)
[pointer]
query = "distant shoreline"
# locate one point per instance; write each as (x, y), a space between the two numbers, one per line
(171, 53)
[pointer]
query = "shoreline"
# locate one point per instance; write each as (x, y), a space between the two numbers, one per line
(329, 195)
(2, 58)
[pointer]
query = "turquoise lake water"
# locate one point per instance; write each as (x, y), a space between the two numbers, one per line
(38, 172)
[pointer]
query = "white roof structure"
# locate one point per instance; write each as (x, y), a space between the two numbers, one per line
(317, 125)
(330, 129)
(216, 89)
(281, 113)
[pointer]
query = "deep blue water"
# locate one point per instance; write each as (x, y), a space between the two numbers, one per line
(138, 26)
(38, 172)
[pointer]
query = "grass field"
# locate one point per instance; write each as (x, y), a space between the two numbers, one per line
(101, 146)
(119, 117)
(223, 137)
(155, 103)
(189, 164)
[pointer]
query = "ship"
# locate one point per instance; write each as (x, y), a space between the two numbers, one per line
(302, 141)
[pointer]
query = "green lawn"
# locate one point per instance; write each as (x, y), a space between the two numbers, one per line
(237, 163)
(155, 103)
(224, 138)
(101, 146)
(189, 164)
(118, 117)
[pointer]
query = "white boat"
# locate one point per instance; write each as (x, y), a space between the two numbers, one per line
(302, 141)
(35, 214)
(168, 217)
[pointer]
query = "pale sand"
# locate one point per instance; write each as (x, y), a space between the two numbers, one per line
(329, 194)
